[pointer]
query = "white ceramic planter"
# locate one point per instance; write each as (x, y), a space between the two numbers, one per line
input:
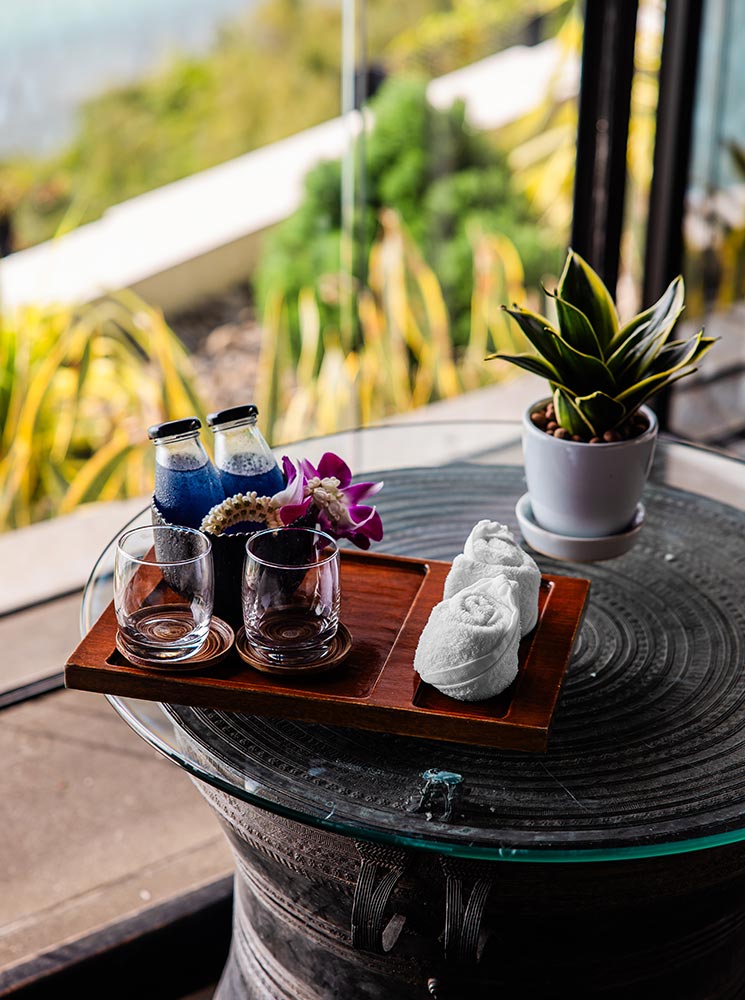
(585, 490)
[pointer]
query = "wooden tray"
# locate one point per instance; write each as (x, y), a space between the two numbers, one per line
(386, 601)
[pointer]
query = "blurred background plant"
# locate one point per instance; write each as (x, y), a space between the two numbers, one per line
(405, 356)
(715, 240)
(541, 146)
(464, 31)
(78, 390)
(442, 177)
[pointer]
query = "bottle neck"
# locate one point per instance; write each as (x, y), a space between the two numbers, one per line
(239, 435)
(183, 451)
(244, 423)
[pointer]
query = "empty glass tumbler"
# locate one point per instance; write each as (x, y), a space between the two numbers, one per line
(163, 592)
(291, 594)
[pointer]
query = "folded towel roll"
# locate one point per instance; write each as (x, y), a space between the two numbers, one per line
(490, 551)
(468, 648)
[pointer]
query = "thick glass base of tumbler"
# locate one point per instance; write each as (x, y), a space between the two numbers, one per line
(165, 632)
(292, 636)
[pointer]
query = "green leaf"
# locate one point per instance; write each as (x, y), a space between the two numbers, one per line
(682, 352)
(567, 414)
(529, 362)
(583, 288)
(601, 412)
(673, 358)
(576, 329)
(675, 361)
(640, 340)
(582, 373)
(92, 478)
(538, 330)
(639, 394)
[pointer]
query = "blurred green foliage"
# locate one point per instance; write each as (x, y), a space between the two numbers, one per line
(78, 387)
(446, 181)
(310, 383)
(271, 73)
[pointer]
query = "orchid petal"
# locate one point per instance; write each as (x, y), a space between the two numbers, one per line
(308, 469)
(360, 540)
(368, 520)
(292, 512)
(295, 488)
(331, 465)
(358, 491)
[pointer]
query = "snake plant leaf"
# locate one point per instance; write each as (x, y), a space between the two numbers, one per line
(583, 288)
(582, 373)
(576, 328)
(640, 340)
(530, 363)
(678, 353)
(538, 330)
(568, 415)
(605, 372)
(670, 302)
(600, 412)
(678, 359)
(637, 395)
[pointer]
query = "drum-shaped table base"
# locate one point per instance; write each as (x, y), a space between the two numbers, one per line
(320, 916)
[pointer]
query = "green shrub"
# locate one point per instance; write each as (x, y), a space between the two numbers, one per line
(442, 178)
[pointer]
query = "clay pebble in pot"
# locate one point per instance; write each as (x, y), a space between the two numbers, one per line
(490, 551)
(468, 648)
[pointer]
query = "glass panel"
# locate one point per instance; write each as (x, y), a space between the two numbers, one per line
(102, 101)
(711, 406)
(141, 149)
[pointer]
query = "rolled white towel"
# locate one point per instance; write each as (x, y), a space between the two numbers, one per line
(490, 550)
(468, 648)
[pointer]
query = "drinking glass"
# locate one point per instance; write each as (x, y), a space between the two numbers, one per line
(291, 594)
(163, 591)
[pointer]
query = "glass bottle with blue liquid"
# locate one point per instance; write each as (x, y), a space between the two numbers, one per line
(187, 484)
(243, 458)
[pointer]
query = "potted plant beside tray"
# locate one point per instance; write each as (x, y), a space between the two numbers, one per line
(588, 447)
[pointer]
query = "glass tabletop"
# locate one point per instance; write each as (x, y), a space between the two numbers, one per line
(646, 752)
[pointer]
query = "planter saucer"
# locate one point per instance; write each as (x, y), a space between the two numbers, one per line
(571, 548)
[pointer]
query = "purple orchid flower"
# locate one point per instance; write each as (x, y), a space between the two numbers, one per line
(294, 491)
(328, 488)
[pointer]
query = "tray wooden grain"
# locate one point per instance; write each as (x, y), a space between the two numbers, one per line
(386, 601)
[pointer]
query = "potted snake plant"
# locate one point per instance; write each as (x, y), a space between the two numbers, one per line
(588, 447)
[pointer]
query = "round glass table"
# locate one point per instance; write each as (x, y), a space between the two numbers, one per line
(357, 872)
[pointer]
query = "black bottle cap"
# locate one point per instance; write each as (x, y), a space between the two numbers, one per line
(170, 427)
(232, 413)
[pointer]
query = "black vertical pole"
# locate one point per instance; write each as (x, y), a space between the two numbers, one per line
(678, 75)
(605, 100)
(664, 250)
